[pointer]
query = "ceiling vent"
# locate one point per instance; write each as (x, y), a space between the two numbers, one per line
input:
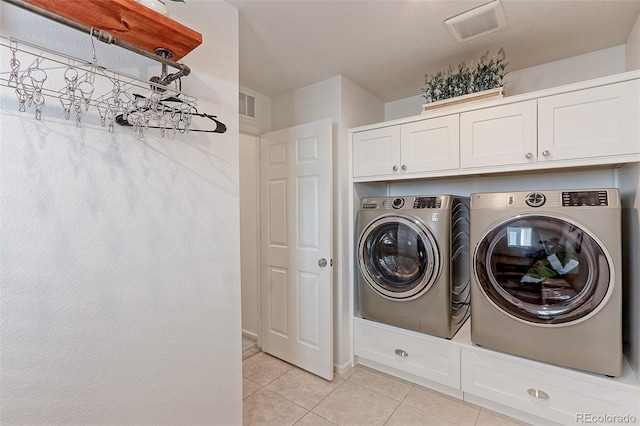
(484, 19)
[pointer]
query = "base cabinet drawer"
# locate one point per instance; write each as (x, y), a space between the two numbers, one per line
(539, 390)
(426, 357)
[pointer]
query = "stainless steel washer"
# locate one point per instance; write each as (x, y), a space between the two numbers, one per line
(413, 262)
(545, 280)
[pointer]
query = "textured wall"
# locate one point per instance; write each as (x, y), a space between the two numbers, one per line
(119, 256)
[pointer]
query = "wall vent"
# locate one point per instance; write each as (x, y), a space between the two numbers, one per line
(247, 105)
(482, 20)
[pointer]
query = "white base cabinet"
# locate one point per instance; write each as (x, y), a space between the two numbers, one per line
(426, 357)
(529, 390)
(552, 393)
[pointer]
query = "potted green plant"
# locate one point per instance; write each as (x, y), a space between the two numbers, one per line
(451, 86)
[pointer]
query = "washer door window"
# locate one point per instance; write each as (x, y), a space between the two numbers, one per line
(398, 257)
(542, 269)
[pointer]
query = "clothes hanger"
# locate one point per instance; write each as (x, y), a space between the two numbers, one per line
(192, 112)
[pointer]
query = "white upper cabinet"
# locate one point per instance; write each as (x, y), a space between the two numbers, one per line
(502, 135)
(602, 121)
(583, 124)
(418, 147)
(376, 152)
(429, 145)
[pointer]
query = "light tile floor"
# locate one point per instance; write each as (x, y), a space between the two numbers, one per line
(277, 393)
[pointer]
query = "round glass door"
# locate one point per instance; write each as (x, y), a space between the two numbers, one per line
(398, 257)
(542, 269)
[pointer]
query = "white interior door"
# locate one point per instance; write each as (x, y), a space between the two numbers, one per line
(296, 244)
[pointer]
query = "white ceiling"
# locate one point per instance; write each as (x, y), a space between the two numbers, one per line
(387, 46)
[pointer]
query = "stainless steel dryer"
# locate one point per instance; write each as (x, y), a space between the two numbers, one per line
(413, 262)
(545, 280)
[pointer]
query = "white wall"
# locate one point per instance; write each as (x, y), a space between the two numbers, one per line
(311, 103)
(629, 190)
(578, 68)
(250, 234)
(632, 58)
(629, 184)
(119, 256)
(358, 107)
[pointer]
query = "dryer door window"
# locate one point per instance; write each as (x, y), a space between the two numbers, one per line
(542, 269)
(398, 257)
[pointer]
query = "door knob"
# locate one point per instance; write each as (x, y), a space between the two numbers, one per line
(322, 262)
(395, 168)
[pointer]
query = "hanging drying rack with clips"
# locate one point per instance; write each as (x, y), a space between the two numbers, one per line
(41, 76)
(37, 73)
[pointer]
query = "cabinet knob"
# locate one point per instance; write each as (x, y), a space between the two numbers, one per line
(546, 153)
(401, 353)
(537, 393)
(404, 167)
(529, 155)
(395, 168)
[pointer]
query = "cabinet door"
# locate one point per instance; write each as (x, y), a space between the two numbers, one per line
(430, 144)
(602, 121)
(499, 135)
(376, 152)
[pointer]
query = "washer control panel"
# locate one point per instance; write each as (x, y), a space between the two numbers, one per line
(397, 203)
(427, 203)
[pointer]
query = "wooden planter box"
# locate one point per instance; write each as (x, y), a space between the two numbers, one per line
(465, 99)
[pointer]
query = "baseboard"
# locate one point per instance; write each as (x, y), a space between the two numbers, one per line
(343, 368)
(249, 334)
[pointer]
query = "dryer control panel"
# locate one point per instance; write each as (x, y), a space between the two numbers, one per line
(584, 198)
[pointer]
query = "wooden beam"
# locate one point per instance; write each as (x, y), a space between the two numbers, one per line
(128, 21)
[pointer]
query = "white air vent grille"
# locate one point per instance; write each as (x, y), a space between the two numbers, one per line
(476, 22)
(247, 105)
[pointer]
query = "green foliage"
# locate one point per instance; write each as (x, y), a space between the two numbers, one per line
(449, 83)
